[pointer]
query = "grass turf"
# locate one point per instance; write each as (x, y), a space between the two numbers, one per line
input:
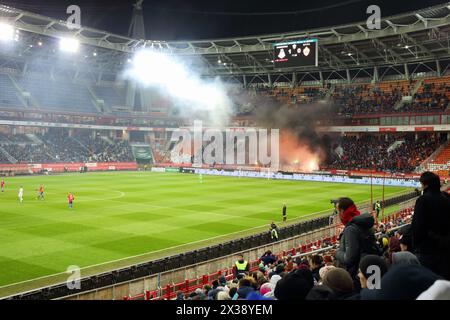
(141, 214)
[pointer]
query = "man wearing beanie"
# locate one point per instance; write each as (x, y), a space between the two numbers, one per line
(294, 286)
(365, 268)
(357, 239)
(402, 282)
(340, 282)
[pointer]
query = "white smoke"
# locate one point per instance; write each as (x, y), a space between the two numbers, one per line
(173, 77)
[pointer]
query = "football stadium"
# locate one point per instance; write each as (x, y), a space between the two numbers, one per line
(272, 161)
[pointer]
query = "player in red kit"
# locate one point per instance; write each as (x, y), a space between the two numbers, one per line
(70, 198)
(2, 184)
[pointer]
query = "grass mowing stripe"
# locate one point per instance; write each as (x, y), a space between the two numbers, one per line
(154, 211)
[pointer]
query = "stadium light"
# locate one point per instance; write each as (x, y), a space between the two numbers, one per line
(7, 32)
(69, 45)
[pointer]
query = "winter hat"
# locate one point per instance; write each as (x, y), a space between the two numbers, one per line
(372, 260)
(274, 279)
(404, 257)
(323, 271)
(294, 286)
(223, 281)
(402, 282)
(279, 269)
(320, 293)
(440, 290)
(266, 287)
(222, 295)
(338, 280)
(244, 291)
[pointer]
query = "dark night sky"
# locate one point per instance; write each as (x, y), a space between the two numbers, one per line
(207, 19)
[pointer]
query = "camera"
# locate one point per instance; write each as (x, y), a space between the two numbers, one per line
(334, 201)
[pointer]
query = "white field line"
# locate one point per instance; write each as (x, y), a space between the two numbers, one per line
(155, 251)
(165, 249)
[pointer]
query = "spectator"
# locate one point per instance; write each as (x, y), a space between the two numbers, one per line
(295, 285)
(268, 258)
(246, 285)
(223, 295)
(357, 239)
(402, 282)
(406, 238)
(431, 226)
(316, 263)
(341, 284)
(365, 268)
(320, 292)
(394, 246)
(404, 257)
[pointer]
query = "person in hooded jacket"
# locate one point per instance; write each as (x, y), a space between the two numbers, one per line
(430, 227)
(357, 239)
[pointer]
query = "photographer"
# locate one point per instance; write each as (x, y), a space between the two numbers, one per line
(273, 231)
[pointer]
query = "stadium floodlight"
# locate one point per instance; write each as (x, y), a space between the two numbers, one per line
(69, 45)
(7, 32)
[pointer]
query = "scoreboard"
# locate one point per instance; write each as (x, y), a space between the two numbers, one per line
(301, 53)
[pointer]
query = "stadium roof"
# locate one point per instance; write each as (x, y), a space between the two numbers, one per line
(418, 36)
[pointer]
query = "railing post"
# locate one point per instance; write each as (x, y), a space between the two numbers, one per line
(168, 292)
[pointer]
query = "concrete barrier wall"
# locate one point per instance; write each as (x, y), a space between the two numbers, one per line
(139, 286)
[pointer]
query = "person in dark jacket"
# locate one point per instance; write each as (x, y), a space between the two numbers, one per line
(316, 263)
(431, 226)
(357, 239)
(268, 258)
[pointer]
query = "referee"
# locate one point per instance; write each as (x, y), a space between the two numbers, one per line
(284, 212)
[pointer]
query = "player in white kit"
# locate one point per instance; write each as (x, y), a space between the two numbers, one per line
(21, 194)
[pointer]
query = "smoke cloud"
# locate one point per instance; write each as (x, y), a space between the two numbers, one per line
(300, 144)
(175, 78)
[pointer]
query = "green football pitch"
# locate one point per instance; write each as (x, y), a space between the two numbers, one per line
(122, 218)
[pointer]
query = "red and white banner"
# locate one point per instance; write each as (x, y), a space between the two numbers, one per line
(70, 167)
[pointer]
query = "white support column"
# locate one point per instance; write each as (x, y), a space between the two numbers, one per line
(375, 74)
(406, 71)
(438, 68)
(294, 80)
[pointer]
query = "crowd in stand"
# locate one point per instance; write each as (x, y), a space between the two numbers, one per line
(409, 263)
(365, 99)
(431, 99)
(372, 151)
(361, 99)
(58, 146)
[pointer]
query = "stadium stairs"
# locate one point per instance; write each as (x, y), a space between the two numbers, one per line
(441, 162)
(34, 138)
(10, 158)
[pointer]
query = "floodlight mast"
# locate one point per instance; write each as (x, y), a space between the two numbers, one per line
(137, 31)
